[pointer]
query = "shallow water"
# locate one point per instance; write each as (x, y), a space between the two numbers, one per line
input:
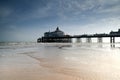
(59, 61)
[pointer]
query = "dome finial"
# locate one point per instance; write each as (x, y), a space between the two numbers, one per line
(57, 29)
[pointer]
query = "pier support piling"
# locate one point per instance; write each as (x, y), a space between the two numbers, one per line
(112, 39)
(88, 40)
(99, 40)
(79, 40)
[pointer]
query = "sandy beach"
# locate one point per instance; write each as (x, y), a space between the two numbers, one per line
(49, 62)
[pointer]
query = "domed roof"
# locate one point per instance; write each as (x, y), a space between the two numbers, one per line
(58, 30)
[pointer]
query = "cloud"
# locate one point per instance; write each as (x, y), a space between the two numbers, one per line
(62, 9)
(75, 7)
(108, 2)
(41, 12)
(112, 9)
(5, 12)
(78, 9)
(108, 6)
(102, 26)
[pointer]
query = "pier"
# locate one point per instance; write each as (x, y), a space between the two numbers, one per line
(79, 38)
(68, 38)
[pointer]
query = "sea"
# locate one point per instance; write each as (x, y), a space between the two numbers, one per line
(59, 61)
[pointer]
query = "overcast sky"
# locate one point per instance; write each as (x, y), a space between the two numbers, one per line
(26, 20)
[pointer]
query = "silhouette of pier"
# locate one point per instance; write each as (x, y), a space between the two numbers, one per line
(68, 38)
(79, 37)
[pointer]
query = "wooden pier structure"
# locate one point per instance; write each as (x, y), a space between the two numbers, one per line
(59, 37)
(79, 38)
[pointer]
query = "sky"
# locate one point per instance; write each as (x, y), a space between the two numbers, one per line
(27, 20)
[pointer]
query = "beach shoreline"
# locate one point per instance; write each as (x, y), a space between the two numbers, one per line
(50, 62)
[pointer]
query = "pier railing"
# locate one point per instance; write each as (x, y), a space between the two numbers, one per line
(79, 37)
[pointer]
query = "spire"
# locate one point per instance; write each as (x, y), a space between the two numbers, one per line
(57, 29)
(118, 30)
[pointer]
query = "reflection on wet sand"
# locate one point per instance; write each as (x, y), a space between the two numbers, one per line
(28, 69)
(93, 70)
(62, 62)
(55, 68)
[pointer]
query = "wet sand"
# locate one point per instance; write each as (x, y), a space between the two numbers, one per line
(47, 64)
(13, 68)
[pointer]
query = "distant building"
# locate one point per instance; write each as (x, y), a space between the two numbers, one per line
(54, 36)
(115, 32)
(56, 33)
